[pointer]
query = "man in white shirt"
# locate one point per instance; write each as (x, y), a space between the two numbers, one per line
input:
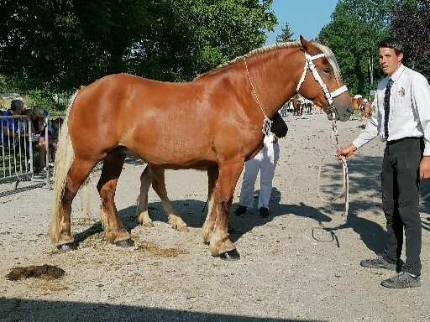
(265, 162)
(402, 119)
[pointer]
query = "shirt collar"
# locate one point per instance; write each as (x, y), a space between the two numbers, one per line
(397, 73)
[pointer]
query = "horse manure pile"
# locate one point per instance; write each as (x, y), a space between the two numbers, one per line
(47, 272)
(157, 251)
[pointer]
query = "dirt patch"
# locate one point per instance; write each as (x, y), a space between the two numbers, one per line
(157, 251)
(47, 272)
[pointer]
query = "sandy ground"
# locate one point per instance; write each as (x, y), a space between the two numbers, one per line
(290, 268)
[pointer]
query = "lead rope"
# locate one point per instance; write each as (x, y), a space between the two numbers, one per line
(345, 189)
(267, 123)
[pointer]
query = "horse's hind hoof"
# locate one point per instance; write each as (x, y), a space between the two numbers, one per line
(232, 255)
(125, 243)
(65, 248)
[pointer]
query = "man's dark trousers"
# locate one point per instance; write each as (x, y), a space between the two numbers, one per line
(400, 201)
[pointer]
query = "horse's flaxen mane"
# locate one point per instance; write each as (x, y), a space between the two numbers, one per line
(294, 44)
(252, 53)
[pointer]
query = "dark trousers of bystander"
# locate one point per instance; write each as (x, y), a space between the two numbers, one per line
(400, 201)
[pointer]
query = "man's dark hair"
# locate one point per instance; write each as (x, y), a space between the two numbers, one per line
(16, 105)
(392, 43)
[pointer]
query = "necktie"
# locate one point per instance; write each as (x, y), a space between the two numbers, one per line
(387, 106)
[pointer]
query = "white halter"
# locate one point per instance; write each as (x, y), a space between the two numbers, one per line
(309, 65)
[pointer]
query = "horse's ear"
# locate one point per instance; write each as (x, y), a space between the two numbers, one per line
(304, 43)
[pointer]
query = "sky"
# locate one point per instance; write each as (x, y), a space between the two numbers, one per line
(305, 17)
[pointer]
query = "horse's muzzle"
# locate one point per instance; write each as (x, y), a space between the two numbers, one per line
(342, 106)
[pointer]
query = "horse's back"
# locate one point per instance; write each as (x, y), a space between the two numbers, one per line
(142, 114)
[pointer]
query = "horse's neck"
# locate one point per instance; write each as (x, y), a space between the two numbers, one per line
(274, 77)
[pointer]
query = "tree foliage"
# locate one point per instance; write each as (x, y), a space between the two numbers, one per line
(353, 34)
(200, 34)
(60, 44)
(411, 25)
(286, 34)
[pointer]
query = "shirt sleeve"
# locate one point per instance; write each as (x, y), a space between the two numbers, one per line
(371, 129)
(421, 100)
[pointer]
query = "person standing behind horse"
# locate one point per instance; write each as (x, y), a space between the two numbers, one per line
(265, 162)
(10, 125)
(402, 119)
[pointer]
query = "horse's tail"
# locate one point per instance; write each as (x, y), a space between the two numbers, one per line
(64, 157)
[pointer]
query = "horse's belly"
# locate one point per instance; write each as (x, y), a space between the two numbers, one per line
(173, 152)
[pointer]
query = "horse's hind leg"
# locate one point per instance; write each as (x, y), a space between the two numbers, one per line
(142, 213)
(115, 231)
(159, 185)
(77, 174)
(209, 224)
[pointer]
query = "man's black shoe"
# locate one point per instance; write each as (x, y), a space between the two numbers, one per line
(240, 210)
(402, 280)
(378, 262)
(264, 212)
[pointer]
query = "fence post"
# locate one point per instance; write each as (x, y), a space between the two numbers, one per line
(47, 149)
(30, 147)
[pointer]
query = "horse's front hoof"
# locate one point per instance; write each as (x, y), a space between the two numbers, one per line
(65, 248)
(232, 255)
(125, 243)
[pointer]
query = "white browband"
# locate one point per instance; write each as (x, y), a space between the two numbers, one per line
(309, 65)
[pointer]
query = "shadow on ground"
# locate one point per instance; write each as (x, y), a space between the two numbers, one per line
(14, 309)
(364, 174)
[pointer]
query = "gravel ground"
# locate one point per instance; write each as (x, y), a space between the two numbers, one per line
(290, 267)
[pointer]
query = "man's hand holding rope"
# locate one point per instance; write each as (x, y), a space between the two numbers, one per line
(346, 152)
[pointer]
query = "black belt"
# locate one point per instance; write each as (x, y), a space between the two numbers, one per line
(404, 139)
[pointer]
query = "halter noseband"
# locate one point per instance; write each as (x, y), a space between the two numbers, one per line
(309, 65)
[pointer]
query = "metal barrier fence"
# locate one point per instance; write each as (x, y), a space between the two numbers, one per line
(22, 149)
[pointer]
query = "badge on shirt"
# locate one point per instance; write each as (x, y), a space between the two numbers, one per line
(402, 91)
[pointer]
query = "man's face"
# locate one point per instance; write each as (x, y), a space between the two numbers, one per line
(389, 60)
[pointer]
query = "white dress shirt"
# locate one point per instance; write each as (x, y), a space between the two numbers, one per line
(409, 109)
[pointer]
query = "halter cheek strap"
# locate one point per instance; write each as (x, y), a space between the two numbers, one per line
(309, 65)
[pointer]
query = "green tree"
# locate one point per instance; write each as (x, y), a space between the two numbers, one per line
(286, 34)
(354, 32)
(198, 35)
(58, 45)
(411, 25)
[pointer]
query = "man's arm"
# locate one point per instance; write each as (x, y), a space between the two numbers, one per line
(366, 135)
(421, 99)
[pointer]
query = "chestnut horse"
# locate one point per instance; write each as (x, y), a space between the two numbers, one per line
(364, 106)
(214, 122)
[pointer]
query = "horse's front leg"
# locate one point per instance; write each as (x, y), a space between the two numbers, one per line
(220, 243)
